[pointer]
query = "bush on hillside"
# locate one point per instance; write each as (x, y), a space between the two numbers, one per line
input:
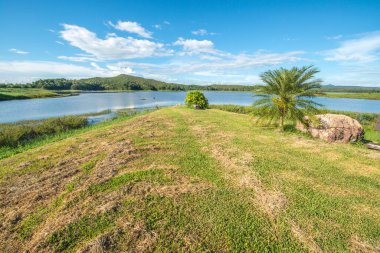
(196, 99)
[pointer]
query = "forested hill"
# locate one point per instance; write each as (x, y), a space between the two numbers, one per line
(126, 82)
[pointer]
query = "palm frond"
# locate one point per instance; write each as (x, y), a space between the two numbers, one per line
(287, 93)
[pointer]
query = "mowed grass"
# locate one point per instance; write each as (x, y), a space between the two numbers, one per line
(178, 179)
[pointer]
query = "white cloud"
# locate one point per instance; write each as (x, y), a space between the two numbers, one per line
(166, 22)
(364, 49)
(59, 42)
(112, 47)
(191, 46)
(16, 71)
(236, 68)
(132, 27)
(17, 51)
(336, 37)
(78, 58)
(26, 71)
(157, 26)
(209, 57)
(354, 76)
(202, 32)
(123, 69)
(230, 62)
(226, 68)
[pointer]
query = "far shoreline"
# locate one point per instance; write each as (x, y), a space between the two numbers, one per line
(7, 94)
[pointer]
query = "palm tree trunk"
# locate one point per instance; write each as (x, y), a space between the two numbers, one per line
(282, 123)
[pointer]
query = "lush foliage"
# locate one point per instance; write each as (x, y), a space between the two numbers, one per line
(196, 99)
(121, 82)
(13, 134)
(286, 94)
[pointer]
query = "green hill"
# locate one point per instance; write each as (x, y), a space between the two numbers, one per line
(127, 82)
(182, 180)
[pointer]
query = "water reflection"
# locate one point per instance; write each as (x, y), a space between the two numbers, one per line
(94, 102)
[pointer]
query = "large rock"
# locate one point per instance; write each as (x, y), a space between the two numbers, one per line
(333, 128)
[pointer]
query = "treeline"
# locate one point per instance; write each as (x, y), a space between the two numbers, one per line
(122, 82)
(127, 82)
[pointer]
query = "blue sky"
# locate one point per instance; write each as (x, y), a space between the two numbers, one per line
(198, 42)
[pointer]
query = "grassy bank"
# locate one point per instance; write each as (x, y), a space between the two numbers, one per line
(23, 135)
(29, 93)
(184, 180)
(356, 95)
(19, 133)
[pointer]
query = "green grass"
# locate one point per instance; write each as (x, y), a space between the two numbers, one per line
(183, 180)
(367, 120)
(356, 95)
(29, 93)
(6, 151)
(19, 133)
(86, 227)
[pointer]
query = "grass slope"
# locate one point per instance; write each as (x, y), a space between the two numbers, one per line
(183, 180)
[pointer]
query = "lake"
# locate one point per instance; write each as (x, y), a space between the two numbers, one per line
(15, 110)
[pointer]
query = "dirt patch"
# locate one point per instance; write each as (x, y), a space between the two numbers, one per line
(356, 168)
(127, 236)
(56, 182)
(331, 189)
(372, 154)
(305, 239)
(181, 185)
(237, 169)
(358, 245)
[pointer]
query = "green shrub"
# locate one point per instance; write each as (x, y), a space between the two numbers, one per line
(196, 99)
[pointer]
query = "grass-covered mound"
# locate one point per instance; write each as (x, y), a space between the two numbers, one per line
(179, 179)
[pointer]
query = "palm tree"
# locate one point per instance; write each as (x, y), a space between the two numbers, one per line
(286, 94)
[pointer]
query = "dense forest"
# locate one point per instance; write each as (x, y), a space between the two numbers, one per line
(121, 82)
(128, 82)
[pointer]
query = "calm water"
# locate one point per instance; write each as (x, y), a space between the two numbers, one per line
(94, 102)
